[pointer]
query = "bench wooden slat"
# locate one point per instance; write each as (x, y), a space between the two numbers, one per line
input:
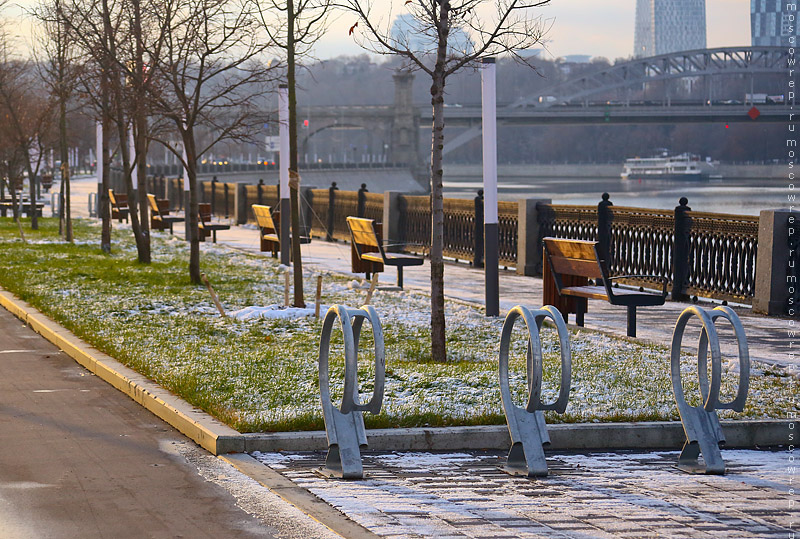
(574, 266)
(363, 233)
(579, 249)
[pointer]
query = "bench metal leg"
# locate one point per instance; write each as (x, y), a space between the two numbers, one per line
(214, 236)
(631, 320)
(400, 277)
(580, 309)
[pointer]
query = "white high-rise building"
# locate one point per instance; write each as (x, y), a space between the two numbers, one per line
(772, 23)
(664, 26)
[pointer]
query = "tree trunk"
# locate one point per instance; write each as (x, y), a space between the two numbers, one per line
(438, 338)
(142, 242)
(105, 158)
(294, 178)
(65, 185)
(32, 180)
(192, 209)
(140, 141)
(65, 198)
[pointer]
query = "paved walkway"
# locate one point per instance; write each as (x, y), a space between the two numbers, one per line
(603, 495)
(768, 337)
(80, 459)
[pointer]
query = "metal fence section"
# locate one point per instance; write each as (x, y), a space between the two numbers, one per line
(722, 256)
(721, 260)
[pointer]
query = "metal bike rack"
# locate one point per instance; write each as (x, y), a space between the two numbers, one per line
(345, 426)
(700, 423)
(527, 426)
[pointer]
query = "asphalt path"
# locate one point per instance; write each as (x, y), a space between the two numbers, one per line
(80, 459)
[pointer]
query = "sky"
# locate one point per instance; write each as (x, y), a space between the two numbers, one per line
(588, 27)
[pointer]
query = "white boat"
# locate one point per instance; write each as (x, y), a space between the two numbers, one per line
(685, 166)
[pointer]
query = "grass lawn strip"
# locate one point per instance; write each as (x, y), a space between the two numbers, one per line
(260, 374)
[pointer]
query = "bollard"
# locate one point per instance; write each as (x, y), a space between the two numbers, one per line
(345, 426)
(92, 204)
(477, 259)
(225, 190)
(259, 189)
(680, 253)
(700, 423)
(362, 200)
(527, 426)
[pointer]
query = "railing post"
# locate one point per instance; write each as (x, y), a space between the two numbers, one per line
(213, 195)
(225, 189)
(306, 210)
(240, 203)
(362, 200)
(529, 242)
(393, 234)
(331, 204)
(477, 259)
(680, 251)
(604, 219)
(778, 263)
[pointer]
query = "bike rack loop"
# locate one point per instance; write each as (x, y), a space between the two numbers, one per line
(527, 426)
(700, 423)
(345, 425)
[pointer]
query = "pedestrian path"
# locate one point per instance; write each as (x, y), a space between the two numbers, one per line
(602, 495)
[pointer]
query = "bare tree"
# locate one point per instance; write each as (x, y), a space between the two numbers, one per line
(294, 26)
(210, 76)
(59, 69)
(105, 32)
(487, 28)
(28, 116)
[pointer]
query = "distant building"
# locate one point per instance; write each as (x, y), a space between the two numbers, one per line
(771, 23)
(405, 29)
(665, 26)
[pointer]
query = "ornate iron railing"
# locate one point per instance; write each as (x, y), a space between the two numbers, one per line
(722, 253)
(721, 257)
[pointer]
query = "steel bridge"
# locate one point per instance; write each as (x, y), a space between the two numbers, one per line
(582, 100)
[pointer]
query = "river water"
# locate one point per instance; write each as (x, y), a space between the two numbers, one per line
(735, 196)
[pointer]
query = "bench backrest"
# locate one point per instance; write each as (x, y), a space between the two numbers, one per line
(574, 257)
(263, 215)
(204, 212)
(363, 231)
(154, 209)
(118, 201)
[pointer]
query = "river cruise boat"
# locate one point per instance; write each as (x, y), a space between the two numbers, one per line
(668, 167)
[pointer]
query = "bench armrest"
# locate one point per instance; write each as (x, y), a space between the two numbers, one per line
(664, 280)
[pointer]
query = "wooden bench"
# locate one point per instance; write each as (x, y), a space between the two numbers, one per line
(270, 240)
(119, 206)
(369, 249)
(204, 224)
(160, 219)
(269, 224)
(581, 259)
(23, 205)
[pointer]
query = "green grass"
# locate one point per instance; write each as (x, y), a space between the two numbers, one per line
(261, 375)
